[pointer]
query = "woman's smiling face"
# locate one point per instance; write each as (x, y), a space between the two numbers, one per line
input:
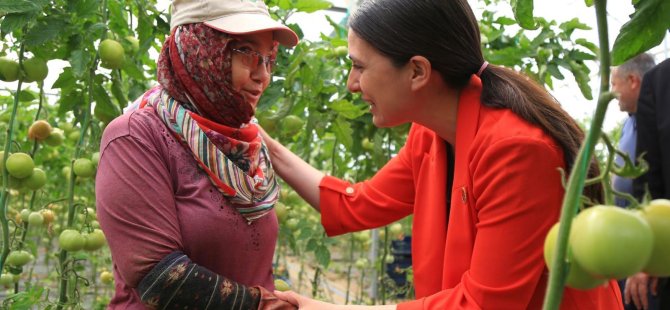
(250, 79)
(382, 84)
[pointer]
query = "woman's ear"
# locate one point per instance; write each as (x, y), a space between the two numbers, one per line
(421, 71)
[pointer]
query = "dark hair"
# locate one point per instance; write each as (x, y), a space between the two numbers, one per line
(447, 34)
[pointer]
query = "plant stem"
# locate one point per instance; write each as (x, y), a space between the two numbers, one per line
(575, 186)
(62, 258)
(351, 263)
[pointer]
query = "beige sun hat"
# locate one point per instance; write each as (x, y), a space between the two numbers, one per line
(231, 16)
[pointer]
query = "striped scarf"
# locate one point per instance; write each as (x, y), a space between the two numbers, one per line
(252, 191)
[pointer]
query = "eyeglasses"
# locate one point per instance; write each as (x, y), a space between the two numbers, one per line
(253, 59)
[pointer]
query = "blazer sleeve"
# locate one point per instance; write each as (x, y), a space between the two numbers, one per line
(517, 194)
(647, 140)
(136, 205)
(387, 197)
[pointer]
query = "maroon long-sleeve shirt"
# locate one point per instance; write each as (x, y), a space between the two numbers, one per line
(153, 199)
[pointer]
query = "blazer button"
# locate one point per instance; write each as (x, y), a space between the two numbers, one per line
(464, 195)
(349, 191)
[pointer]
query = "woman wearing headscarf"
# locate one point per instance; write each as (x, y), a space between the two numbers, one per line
(185, 188)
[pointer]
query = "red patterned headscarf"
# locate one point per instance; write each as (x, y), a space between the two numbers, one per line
(195, 68)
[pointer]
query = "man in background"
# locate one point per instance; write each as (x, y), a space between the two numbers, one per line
(626, 82)
(653, 138)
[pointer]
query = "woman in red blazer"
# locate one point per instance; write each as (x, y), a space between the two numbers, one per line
(490, 136)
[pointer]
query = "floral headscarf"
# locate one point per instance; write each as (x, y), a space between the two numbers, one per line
(195, 68)
(198, 104)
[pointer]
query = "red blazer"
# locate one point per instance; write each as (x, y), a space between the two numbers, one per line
(506, 195)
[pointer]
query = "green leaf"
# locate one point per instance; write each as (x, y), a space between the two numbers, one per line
(588, 3)
(133, 70)
(70, 101)
(569, 26)
(343, 132)
(505, 21)
(347, 109)
(552, 68)
(523, 13)
(85, 8)
(44, 32)
(284, 4)
(14, 21)
(117, 91)
(311, 244)
(17, 6)
(589, 45)
(103, 104)
(27, 96)
(582, 78)
(322, 255)
(645, 30)
(541, 38)
(65, 79)
(79, 61)
(310, 6)
(579, 55)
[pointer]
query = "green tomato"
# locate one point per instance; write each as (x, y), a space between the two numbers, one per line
(657, 215)
(281, 210)
(95, 158)
(19, 258)
(361, 263)
(20, 165)
(111, 54)
(281, 285)
(56, 137)
(36, 180)
(577, 277)
(6, 279)
(611, 242)
(35, 219)
(291, 125)
(134, 44)
(36, 69)
(106, 277)
(340, 51)
(74, 136)
(266, 121)
(292, 223)
(367, 144)
(94, 240)
(396, 230)
(25, 215)
(83, 168)
(71, 240)
(9, 69)
(362, 237)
